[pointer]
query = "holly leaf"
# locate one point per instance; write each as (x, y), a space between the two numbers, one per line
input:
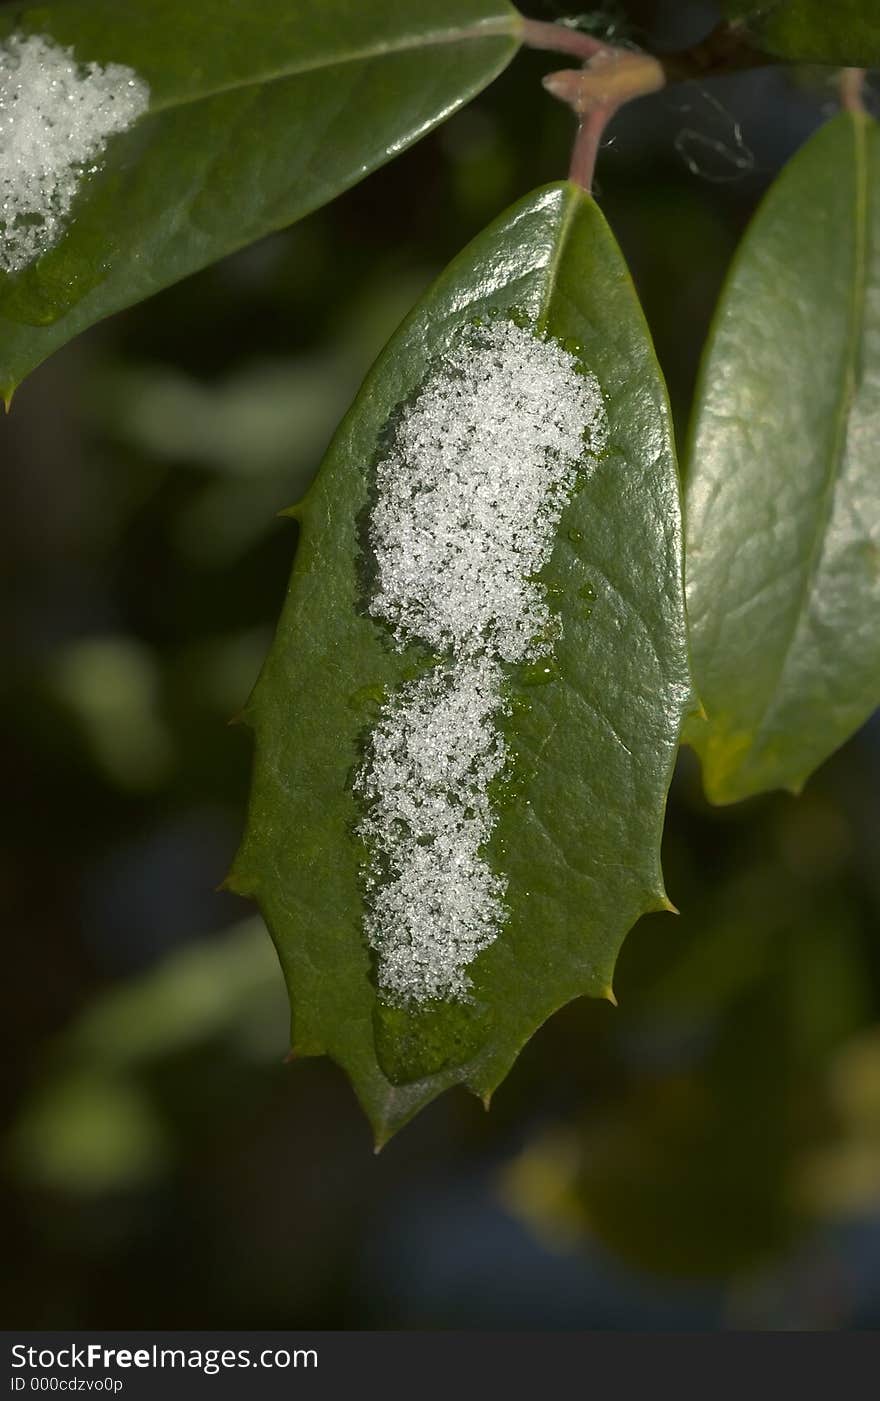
(259, 112)
(844, 32)
(783, 492)
(578, 830)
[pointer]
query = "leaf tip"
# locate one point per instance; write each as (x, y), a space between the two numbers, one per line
(8, 395)
(660, 903)
(607, 994)
(237, 883)
(381, 1138)
(239, 718)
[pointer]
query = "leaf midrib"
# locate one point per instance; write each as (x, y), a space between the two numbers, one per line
(855, 331)
(573, 196)
(483, 29)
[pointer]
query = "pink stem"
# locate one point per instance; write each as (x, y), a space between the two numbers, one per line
(852, 86)
(587, 143)
(557, 38)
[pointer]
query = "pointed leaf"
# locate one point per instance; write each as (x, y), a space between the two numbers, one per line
(840, 32)
(783, 491)
(259, 113)
(578, 835)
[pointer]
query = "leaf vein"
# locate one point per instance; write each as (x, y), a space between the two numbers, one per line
(483, 29)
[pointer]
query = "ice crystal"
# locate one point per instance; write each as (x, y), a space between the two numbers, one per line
(56, 116)
(468, 500)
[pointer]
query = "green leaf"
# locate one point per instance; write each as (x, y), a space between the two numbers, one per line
(783, 491)
(578, 834)
(840, 32)
(260, 111)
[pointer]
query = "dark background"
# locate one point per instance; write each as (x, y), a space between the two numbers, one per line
(708, 1155)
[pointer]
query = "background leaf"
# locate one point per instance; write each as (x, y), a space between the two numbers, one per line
(813, 31)
(261, 110)
(783, 494)
(594, 748)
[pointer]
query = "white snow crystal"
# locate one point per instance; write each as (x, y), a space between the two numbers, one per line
(433, 754)
(56, 115)
(468, 501)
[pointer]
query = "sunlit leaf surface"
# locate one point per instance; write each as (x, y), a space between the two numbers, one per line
(783, 491)
(260, 111)
(579, 827)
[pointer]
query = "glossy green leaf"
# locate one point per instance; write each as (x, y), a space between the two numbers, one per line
(783, 488)
(578, 834)
(843, 32)
(260, 111)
